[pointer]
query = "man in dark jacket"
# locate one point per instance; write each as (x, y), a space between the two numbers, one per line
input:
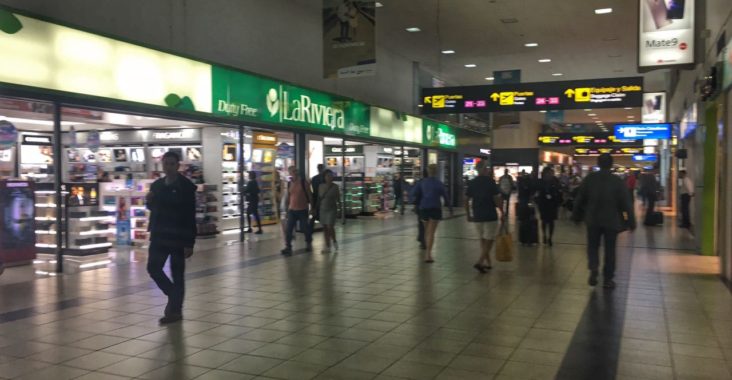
(172, 203)
(604, 204)
(315, 183)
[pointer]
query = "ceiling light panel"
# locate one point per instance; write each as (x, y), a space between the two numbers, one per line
(448, 51)
(603, 11)
(413, 29)
(471, 65)
(545, 60)
(531, 44)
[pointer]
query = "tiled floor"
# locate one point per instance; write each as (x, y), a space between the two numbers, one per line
(376, 311)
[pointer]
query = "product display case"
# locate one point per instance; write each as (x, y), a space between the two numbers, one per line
(206, 211)
(126, 199)
(45, 218)
(263, 164)
(229, 202)
(88, 230)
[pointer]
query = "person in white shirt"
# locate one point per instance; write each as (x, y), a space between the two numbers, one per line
(687, 191)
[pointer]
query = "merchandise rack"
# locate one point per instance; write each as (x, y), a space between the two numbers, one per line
(206, 210)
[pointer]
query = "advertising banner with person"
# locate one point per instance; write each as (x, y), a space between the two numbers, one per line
(349, 29)
(17, 222)
(666, 33)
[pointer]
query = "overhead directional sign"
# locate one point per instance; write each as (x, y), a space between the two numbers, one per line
(614, 151)
(576, 94)
(569, 139)
(645, 157)
(659, 131)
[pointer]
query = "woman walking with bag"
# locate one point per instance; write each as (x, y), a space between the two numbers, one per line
(429, 192)
(329, 201)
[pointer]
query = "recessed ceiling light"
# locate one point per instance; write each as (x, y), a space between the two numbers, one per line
(603, 11)
(591, 114)
(490, 78)
(543, 111)
(471, 65)
(413, 29)
(545, 60)
(448, 52)
(557, 74)
(531, 44)
(378, 5)
(588, 109)
(628, 108)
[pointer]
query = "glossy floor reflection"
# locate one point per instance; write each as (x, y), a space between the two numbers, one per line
(374, 310)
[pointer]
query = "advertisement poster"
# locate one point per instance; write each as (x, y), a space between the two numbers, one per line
(82, 194)
(349, 29)
(666, 33)
(8, 134)
(17, 221)
(654, 107)
(123, 232)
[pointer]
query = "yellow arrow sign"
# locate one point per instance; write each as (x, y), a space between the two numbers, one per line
(495, 96)
(569, 93)
(427, 99)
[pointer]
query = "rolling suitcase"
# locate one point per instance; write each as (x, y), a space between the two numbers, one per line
(529, 227)
(655, 219)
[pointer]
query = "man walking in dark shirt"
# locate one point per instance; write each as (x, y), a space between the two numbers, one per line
(486, 198)
(172, 203)
(604, 204)
(315, 183)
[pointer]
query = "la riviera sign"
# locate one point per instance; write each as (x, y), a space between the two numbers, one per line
(37, 55)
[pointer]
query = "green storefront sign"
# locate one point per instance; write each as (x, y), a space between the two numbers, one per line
(438, 134)
(246, 96)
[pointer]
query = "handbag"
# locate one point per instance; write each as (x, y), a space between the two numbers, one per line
(504, 244)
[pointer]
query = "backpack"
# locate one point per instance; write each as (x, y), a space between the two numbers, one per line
(505, 184)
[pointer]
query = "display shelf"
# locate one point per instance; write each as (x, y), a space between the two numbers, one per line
(45, 217)
(206, 214)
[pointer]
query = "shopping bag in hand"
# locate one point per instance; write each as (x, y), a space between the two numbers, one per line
(504, 244)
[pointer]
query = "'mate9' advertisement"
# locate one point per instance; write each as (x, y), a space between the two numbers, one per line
(666, 33)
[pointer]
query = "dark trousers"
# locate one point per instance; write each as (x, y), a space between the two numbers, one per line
(253, 210)
(685, 217)
(594, 234)
(506, 200)
(301, 217)
(175, 289)
(650, 207)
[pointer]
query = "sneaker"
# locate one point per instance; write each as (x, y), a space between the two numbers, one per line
(309, 248)
(608, 284)
(248, 230)
(258, 232)
(170, 318)
(593, 278)
(479, 268)
(286, 251)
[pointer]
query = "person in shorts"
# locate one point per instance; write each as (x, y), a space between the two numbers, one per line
(429, 193)
(485, 197)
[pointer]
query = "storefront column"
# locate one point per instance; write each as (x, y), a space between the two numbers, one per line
(240, 182)
(301, 157)
(57, 160)
(401, 178)
(343, 181)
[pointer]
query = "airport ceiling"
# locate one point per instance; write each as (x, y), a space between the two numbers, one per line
(492, 34)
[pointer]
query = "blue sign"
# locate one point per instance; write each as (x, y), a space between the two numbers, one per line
(645, 157)
(554, 117)
(661, 131)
